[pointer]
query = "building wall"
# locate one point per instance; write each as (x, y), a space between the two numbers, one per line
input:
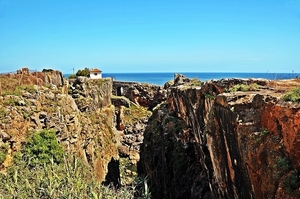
(93, 76)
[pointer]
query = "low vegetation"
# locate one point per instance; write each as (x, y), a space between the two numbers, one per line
(3, 152)
(85, 72)
(293, 96)
(261, 135)
(243, 87)
(70, 179)
(281, 166)
(209, 96)
(42, 147)
(292, 183)
(195, 82)
(43, 170)
(134, 113)
(12, 87)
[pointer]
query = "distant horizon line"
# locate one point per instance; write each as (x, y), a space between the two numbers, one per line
(197, 72)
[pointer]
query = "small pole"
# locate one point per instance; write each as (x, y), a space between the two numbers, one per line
(21, 78)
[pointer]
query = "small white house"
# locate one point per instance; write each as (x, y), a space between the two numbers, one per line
(95, 73)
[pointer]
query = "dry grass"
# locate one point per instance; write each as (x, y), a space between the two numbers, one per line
(134, 113)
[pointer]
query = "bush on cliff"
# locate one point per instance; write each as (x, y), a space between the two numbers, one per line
(42, 148)
(292, 183)
(85, 72)
(293, 95)
(243, 87)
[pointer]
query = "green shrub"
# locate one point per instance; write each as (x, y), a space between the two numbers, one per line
(293, 95)
(264, 132)
(209, 96)
(2, 157)
(195, 82)
(282, 163)
(3, 152)
(260, 136)
(73, 76)
(42, 148)
(85, 72)
(47, 70)
(292, 182)
(281, 166)
(243, 87)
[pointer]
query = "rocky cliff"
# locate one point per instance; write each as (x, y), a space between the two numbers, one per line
(104, 130)
(83, 119)
(233, 138)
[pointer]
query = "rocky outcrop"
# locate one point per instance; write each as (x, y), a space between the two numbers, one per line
(83, 121)
(46, 77)
(238, 144)
(91, 94)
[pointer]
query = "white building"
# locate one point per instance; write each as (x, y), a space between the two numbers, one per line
(95, 73)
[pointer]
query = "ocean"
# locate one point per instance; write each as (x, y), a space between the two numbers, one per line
(162, 78)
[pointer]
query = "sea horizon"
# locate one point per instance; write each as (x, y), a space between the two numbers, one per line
(160, 78)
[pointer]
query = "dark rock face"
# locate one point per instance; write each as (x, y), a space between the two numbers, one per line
(141, 94)
(113, 175)
(120, 101)
(169, 156)
(229, 145)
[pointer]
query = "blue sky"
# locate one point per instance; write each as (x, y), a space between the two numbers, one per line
(151, 36)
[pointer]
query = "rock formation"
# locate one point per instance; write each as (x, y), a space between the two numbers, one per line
(83, 121)
(208, 142)
(141, 94)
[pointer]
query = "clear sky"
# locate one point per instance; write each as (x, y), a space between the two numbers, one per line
(151, 36)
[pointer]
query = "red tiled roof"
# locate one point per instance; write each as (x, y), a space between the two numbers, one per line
(95, 70)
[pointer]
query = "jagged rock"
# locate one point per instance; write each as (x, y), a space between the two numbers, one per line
(80, 80)
(120, 101)
(21, 103)
(42, 115)
(139, 138)
(134, 156)
(180, 79)
(4, 136)
(27, 95)
(123, 151)
(129, 139)
(169, 84)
